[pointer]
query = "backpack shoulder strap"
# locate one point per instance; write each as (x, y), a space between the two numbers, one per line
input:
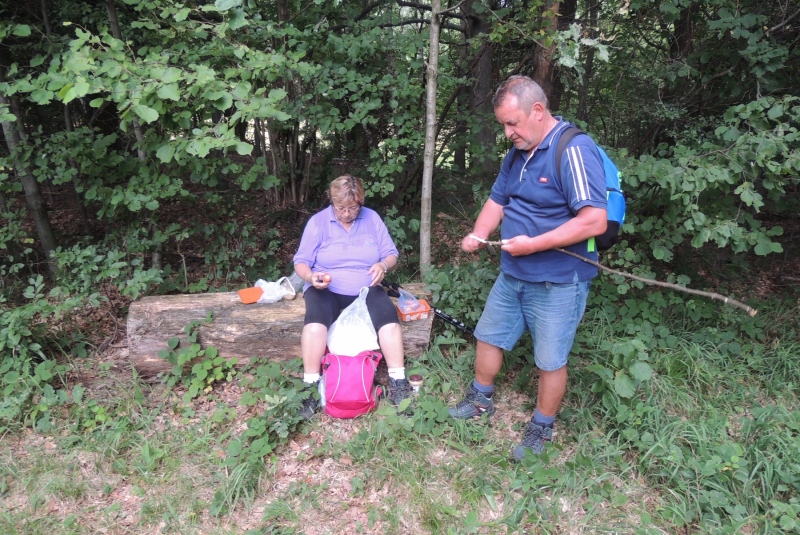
(566, 136)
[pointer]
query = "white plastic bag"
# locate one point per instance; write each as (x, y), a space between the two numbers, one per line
(275, 291)
(353, 331)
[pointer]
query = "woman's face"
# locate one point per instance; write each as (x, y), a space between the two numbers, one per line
(347, 211)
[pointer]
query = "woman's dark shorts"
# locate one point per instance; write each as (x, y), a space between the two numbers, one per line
(324, 306)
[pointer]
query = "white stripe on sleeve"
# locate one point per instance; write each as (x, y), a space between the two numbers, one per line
(579, 179)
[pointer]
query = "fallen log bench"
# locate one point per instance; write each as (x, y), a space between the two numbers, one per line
(246, 332)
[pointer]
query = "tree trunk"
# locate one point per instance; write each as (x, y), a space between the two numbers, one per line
(306, 184)
(74, 165)
(259, 148)
(588, 68)
(113, 22)
(276, 154)
(69, 128)
(481, 108)
(22, 135)
(546, 72)
(33, 193)
(430, 142)
(45, 17)
(246, 332)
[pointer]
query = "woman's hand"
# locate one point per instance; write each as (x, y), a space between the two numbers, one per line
(378, 272)
(320, 280)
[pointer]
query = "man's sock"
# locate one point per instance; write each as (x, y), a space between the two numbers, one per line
(541, 419)
(487, 391)
(397, 373)
(311, 378)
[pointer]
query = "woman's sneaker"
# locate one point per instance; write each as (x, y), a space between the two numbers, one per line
(533, 440)
(474, 405)
(400, 389)
(310, 405)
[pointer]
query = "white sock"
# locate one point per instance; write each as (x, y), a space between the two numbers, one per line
(397, 373)
(310, 378)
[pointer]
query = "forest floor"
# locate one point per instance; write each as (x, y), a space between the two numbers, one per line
(135, 458)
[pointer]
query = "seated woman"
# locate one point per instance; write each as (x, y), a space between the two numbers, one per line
(344, 248)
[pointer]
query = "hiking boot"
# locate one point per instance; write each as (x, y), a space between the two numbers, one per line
(399, 389)
(533, 440)
(473, 405)
(311, 403)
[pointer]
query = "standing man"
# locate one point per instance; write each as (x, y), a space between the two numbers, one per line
(538, 288)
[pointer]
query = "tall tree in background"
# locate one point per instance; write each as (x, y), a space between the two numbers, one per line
(482, 68)
(33, 193)
(430, 141)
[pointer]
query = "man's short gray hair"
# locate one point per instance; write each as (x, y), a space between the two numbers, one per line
(526, 90)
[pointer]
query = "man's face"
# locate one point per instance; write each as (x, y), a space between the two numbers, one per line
(523, 127)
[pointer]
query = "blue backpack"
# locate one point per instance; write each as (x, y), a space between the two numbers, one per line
(616, 199)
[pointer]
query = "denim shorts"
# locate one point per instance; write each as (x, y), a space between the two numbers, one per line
(551, 311)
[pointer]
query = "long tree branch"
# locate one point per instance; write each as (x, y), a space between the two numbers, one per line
(423, 7)
(364, 12)
(711, 295)
(418, 21)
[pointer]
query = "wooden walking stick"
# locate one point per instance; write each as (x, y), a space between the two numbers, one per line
(711, 295)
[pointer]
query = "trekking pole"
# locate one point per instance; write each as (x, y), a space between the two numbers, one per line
(393, 289)
(458, 324)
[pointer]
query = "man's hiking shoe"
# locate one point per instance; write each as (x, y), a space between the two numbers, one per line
(533, 440)
(474, 405)
(311, 403)
(399, 389)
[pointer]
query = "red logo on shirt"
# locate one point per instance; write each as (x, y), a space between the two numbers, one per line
(543, 179)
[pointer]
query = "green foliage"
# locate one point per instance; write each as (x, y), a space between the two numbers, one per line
(710, 189)
(461, 290)
(82, 270)
(672, 396)
(397, 230)
(236, 252)
(36, 325)
(627, 369)
(26, 373)
(281, 395)
(207, 366)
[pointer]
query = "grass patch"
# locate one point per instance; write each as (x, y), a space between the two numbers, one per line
(701, 437)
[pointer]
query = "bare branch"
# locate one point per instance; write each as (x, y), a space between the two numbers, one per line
(445, 13)
(784, 23)
(711, 295)
(419, 21)
(364, 12)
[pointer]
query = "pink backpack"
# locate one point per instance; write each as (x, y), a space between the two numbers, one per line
(347, 388)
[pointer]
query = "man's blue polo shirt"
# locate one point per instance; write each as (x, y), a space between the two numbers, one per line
(534, 201)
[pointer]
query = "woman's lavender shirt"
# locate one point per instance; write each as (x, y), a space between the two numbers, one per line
(347, 256)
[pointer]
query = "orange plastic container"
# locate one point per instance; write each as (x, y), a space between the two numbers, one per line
(419, 314)
(250, 295)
